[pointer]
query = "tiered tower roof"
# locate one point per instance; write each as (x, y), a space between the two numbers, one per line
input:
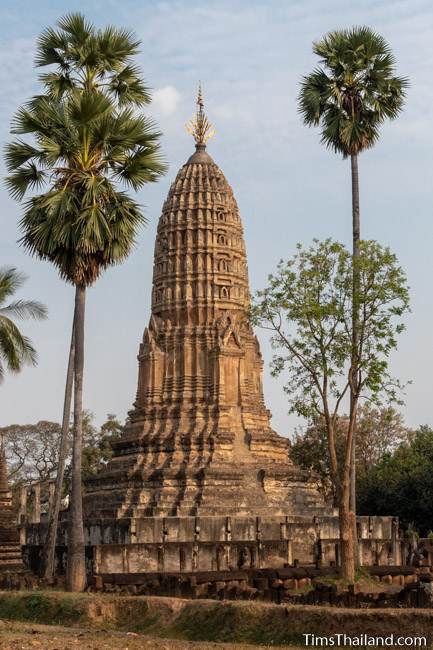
(198, 440)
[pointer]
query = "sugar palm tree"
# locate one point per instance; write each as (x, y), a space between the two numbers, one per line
(89, 138)
(16, 349)
(349, 95)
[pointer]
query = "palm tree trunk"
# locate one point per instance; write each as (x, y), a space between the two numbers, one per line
(76, 567)
(49, 551)
(355, 332)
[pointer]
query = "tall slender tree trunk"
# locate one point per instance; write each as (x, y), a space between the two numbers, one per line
(355, 332)
(49, 551)
(76, 566)
(347, 545)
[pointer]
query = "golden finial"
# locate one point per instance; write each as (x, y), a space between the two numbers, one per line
(199, 126)
(200, 101)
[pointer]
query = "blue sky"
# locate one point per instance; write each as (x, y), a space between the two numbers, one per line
(250, 57)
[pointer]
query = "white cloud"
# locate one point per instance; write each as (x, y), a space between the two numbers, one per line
(166, 99)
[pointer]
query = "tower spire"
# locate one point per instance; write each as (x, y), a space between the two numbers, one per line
(199, 126)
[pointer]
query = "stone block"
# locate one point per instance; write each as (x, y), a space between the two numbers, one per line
(304, 582)
(212, 529)
(387, 579)
(243, 529)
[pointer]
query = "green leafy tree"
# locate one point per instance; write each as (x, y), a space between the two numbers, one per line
(352, 92)
(402, 483)
(89, 139)
(306, 306)
(16, 349)
(97, 449)
(96, 446)
(310, 451)
(379, 432)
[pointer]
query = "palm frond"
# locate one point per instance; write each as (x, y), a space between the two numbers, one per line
(8, 349)
(58, 83)
(18, 153)
(143, 166)
(16, 349)
(129, 88)
(87, 107)
(10, 281)
(26, 121)
(26, 178)
(116, 46)
(76, 26)
(24, 309)
(50, 48)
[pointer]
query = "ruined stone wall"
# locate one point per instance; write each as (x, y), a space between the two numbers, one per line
(194, 544)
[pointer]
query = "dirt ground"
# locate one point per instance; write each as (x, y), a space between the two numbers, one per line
(22, 636)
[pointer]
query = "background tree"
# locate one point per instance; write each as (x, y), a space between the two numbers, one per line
(307, 307)
(402, 483)
(97, 444)
(88, 137)
(31, 450)
(352, 92)
(16, 349)
(379, 432)
(310, 450)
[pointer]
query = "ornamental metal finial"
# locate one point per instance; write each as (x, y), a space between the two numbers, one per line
(199, 126)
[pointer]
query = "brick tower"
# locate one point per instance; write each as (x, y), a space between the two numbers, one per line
(198, 440)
